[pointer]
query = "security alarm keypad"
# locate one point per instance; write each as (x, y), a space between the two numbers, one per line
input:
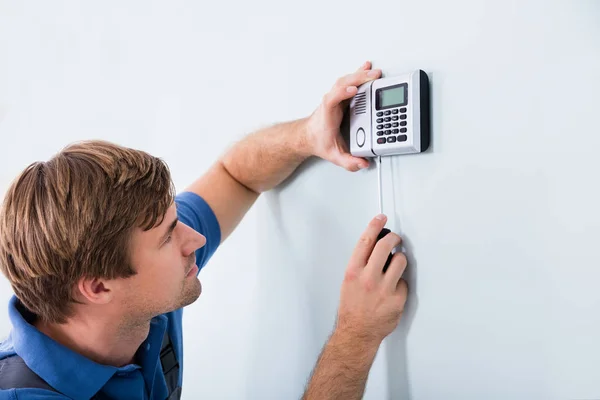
(390, 116)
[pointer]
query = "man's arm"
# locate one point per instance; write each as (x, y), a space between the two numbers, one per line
(265, 158)
(342, 369)
(256, 164)
(371, 304)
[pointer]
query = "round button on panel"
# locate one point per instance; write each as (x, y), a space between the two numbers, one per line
(360, 137)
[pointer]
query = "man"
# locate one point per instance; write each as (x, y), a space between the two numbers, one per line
(102, 257)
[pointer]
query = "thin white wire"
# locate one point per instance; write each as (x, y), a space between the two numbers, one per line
(379, 185)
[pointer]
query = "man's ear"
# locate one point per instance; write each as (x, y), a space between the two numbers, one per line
(95, 290)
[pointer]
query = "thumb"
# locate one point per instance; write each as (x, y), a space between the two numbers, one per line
(349, 162)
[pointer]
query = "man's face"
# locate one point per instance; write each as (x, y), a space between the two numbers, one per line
(165, 262)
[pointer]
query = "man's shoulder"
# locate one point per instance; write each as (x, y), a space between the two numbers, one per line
(6, 347)
(29, 394)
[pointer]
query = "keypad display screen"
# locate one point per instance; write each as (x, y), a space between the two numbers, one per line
(392, 96)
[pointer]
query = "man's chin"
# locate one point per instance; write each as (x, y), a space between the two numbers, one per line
(191, 292)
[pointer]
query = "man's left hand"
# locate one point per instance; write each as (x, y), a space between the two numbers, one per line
(323, 126)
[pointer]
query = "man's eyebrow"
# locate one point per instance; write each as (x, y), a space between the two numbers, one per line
(169, 230)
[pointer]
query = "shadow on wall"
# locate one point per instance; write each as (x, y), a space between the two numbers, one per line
(396, 342)
(299, 280)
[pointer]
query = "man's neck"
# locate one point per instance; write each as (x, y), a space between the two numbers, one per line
(98, 339)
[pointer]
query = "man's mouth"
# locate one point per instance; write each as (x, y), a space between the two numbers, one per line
(192, 270)
(192, 266)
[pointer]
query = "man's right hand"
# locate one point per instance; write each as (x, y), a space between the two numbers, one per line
(372, 302)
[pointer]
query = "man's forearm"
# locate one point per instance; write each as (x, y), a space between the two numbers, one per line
(342, 369)
(265, 158)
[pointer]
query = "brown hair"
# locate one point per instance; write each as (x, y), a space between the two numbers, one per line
(72, 217)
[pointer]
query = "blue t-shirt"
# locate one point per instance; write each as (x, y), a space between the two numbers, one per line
(77, 377)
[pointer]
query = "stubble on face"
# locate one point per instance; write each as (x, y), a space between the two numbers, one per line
(141, 310)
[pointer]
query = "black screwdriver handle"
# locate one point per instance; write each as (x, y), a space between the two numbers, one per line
(381, 235)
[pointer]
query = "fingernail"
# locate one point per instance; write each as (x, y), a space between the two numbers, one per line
(380, 217)
(350, 89)
(361, 166)
(373, 72)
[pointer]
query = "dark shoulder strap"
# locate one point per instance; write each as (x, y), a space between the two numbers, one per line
(15, 374)
(170, 367)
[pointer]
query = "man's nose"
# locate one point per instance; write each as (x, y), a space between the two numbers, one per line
(201, 240)
(197, 239)
(194, 240)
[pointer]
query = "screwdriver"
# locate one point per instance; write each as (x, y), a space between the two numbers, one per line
(384, 231)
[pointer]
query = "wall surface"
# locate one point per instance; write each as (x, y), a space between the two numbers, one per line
(500, 218)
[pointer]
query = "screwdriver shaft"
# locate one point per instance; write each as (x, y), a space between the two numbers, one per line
(379, 185)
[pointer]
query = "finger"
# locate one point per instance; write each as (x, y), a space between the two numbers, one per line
(358, 78)
(365, 66)
(338, 94)
(347, 86)
(366, 243)
(341, 156)
(402, 293)
(380, 254)
(395, 271)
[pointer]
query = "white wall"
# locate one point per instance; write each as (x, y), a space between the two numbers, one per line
(500, 218)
